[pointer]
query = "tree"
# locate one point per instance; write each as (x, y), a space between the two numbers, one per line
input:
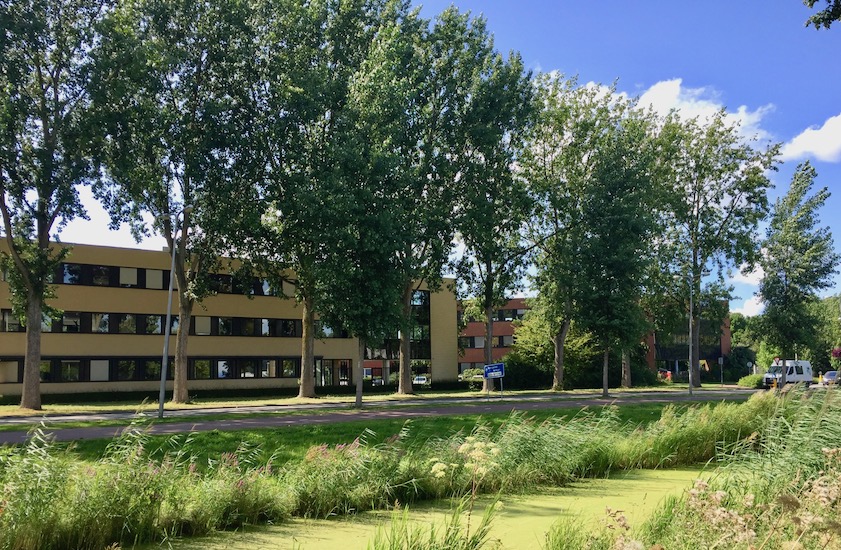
(717, 195)
(614, 251)
(561, 161)
(493, 204)
(173, 97)
(825, 17)
(44, 102)
(798, 260)
(304, 138)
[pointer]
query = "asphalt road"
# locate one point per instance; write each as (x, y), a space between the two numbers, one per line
(333, 413)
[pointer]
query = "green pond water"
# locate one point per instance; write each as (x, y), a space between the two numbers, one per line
(520, 522)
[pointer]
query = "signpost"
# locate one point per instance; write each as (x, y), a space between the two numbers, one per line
(495, 370)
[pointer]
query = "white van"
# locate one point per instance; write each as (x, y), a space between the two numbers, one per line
(796, 371)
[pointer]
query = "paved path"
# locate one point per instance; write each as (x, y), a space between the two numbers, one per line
(328, 413)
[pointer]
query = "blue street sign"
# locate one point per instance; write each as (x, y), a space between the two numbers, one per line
(497, 370)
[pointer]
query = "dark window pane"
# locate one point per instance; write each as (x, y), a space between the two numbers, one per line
(153, 370)
(99, 322)
(70, 322)
(71, 274)
(126, 369)
(154, 324)
(226, 326)
(70, 371)
(247, 368)
(290, 368)
(127, 324)
(46, 370)
(246, 327)
(101, 275)
(201, 369)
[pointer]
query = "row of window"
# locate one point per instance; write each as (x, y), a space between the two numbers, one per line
(138, 277)
(133, 369)
(131, 323)
(498, 315)
(478, 342)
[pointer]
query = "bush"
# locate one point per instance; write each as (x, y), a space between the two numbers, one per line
(751, 381)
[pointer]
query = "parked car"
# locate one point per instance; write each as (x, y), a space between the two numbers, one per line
(421, 380)
(830, 378)
(796, 371)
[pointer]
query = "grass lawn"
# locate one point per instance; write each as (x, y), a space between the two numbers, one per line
(291, 443)
(204, 403)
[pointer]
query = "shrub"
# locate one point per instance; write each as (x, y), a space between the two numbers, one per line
(751, 381)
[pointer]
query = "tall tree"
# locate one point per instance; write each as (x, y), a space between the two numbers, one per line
(798, 260)
(718, 184)
(173, 97)
(614, 251)
(311, 52)
(560, 161)
(493, 204)
(44, 102)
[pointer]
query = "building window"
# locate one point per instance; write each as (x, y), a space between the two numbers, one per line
(10, 323)
(288, 327)
(291, 368)
(153, 370)
(154, 324)
(155, 279)
(126, 369)
(100, 275)
(201, 369)
(71, 371)
(222, 284)
(128, 277)
(127, 323)
(71, 274)
(45, 369)
(226, 326)
(202, 326)
(46, 324)
(71, 322)
(223, 369)
(246, 327)
(99, 370)
(99, 322)
(268, 368)
(266, 327)
(247, 368)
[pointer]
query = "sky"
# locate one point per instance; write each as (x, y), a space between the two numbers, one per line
(755, 58)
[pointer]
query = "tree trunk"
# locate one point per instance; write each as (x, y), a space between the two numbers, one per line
(488, 383)
(626, 368)
(307, 387)
(31, 393)
(180, 389)
(559, 340)
(357, 372)
(604, 372)
(404, 385)
(696, 352)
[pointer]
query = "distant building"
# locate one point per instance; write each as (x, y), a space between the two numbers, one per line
(472, 338)
(671, 351)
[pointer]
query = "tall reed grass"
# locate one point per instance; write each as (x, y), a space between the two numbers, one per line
(51, 500)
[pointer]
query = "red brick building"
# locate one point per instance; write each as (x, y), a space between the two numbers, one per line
(472, 337)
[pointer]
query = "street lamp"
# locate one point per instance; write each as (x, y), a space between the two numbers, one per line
(168, 325)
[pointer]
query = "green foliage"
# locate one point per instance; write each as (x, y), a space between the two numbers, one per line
(825, 17)
(798, 261)
(751, 381)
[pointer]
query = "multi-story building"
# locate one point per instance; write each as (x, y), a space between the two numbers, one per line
(472, 338)
(110, 335)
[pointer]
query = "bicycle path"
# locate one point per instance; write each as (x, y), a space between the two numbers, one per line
(327, 413)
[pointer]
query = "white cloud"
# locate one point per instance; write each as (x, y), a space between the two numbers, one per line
(822, 143)
(752, 306)
(751, 278)
(703, 103)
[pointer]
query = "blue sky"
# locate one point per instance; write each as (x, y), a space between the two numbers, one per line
(754, 58)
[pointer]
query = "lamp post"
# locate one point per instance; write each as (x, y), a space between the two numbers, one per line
(168, 325)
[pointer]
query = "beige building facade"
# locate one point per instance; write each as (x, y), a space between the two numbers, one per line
(110, 336)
